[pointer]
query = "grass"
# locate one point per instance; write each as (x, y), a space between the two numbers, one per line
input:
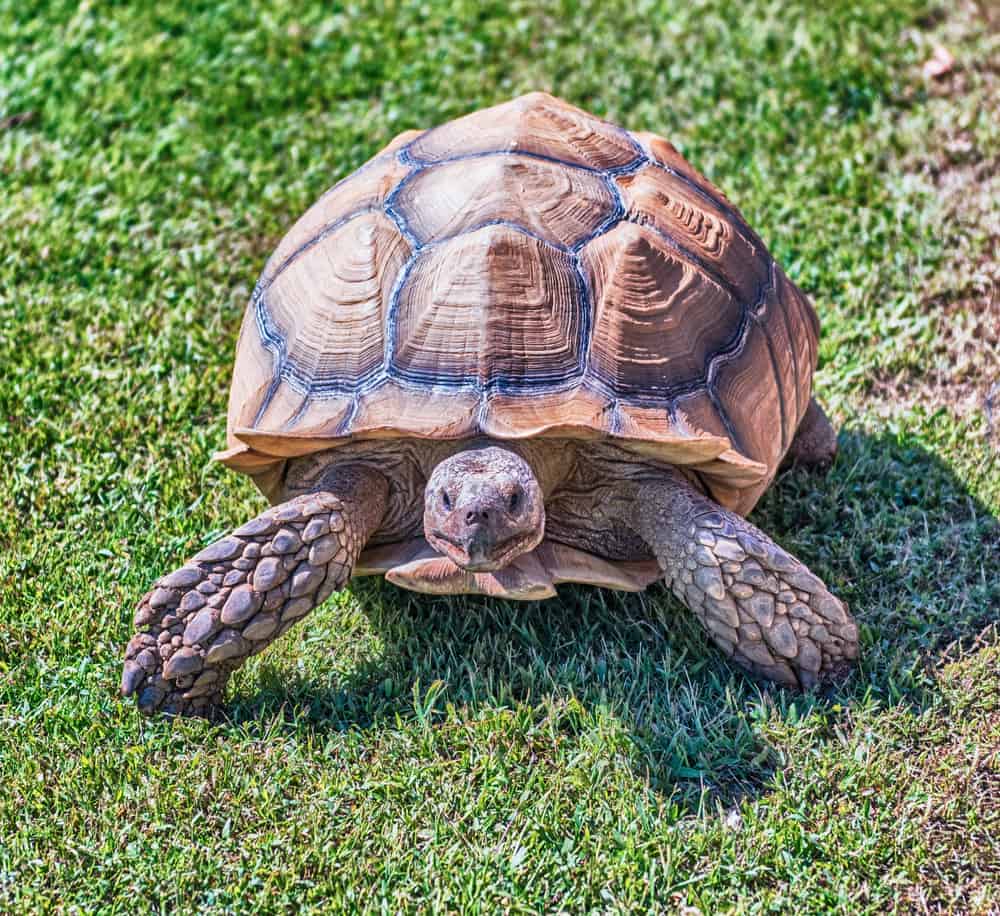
(591, 753)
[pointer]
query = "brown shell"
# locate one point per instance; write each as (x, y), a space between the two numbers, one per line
(527, 270)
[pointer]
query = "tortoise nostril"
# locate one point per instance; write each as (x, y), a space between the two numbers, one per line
(470, 517)
(476, 515)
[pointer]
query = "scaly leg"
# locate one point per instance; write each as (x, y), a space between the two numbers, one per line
(201, 622)
(761, 606)
(815, 442)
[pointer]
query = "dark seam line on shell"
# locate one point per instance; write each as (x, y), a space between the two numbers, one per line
(400, 223)
(345, 424)
(482, 154)
(266, 402)
(316, 239)
(606, 225)
(586, 308)
(777, 381)
(614, 418)
(726, 421)
(392, 313)
(272, 342)
(672, 412)
(791, 344)
(727, 209)
(389, 206)
(300, 413)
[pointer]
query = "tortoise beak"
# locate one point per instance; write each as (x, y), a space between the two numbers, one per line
(473, 537)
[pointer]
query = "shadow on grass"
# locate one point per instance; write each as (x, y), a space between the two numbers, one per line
(890, 528)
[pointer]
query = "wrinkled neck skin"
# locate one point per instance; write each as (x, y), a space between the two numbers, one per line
(479, 476)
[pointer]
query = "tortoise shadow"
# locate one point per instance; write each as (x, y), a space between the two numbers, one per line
(890, 528)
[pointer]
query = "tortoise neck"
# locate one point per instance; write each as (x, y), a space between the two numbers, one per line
(551, 460)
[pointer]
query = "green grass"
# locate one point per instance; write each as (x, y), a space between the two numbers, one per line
(591, 753)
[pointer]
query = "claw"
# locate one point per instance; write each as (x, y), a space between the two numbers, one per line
(132, 677)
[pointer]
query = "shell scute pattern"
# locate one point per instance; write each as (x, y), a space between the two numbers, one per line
(528, 269)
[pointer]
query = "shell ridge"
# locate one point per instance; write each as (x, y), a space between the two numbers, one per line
(531, 154)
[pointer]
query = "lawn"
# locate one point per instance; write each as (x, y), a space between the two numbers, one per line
(401, 753)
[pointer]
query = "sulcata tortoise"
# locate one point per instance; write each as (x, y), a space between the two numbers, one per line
(522, 348)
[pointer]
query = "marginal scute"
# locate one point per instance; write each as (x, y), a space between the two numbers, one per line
(493, 306)
(658, 318)
(560, 205)
(429, 412)
(748, 393)
(535, 123)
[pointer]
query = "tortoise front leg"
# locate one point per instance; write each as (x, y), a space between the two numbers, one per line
(760, 605)
(202, 621)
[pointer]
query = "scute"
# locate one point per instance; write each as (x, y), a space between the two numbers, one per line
(561, 206)
(659, 318)
(495, 307)
(677, 211)
(537, 124)
(328, 307)
(527, 270)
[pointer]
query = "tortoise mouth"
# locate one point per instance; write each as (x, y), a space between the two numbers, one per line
(477, 557)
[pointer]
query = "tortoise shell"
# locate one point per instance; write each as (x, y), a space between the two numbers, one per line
(527, 270)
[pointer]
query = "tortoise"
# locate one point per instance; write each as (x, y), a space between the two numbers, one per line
(522, 348)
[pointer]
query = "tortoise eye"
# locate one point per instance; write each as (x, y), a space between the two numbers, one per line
(515, 500)
(445, 500)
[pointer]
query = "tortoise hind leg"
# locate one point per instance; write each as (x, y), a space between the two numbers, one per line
(815, 441)
(759, 604)
(202, 621)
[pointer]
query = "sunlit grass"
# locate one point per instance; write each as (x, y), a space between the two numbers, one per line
(593, 752)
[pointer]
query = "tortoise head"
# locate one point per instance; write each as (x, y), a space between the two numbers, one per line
(483, 508)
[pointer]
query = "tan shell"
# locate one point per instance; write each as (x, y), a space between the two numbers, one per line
(527, 270)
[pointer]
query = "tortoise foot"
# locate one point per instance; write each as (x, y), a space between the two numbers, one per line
(759, 604)
(202, 621)
(763, 607)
